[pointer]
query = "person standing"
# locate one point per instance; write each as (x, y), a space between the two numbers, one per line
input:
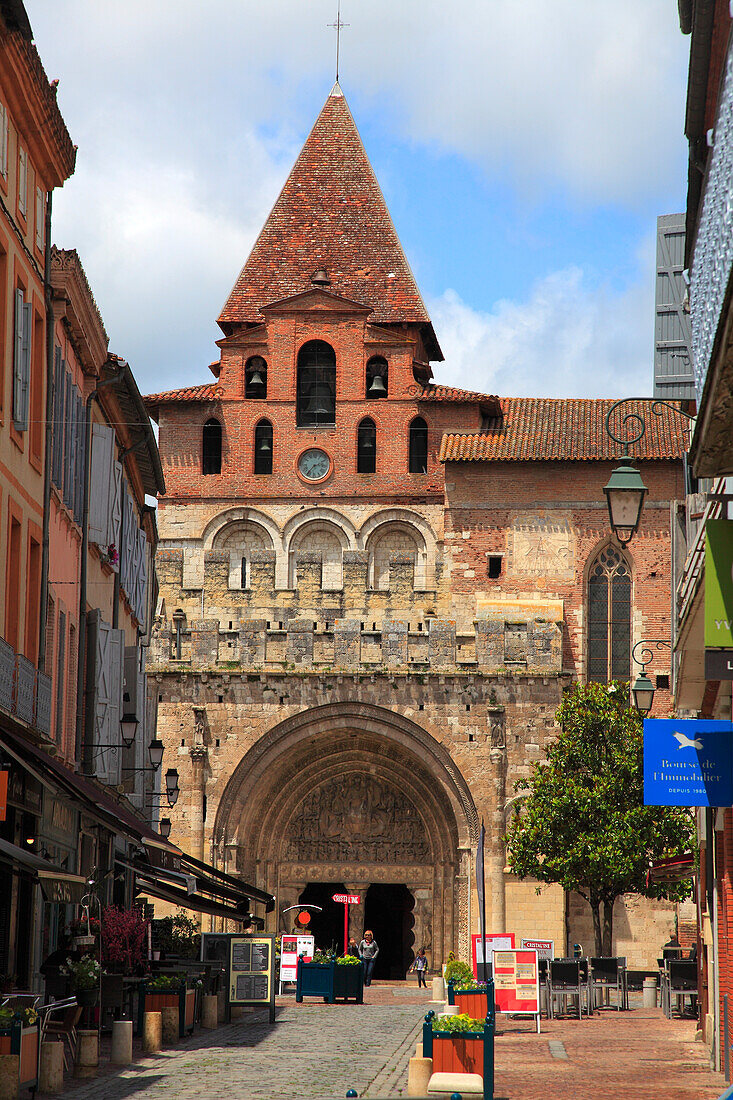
(353, 948)
(368, 951)
(420, 966)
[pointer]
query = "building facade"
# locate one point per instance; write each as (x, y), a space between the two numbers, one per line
(374, 588)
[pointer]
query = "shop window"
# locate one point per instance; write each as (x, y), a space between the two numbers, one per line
(211, 447)
(316, 385)
(366, 447)
(263, 447)
(377, 378)
(255, 378)
(418, 461)
(609, 617)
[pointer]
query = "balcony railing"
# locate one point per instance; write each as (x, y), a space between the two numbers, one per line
(713, 253)
(24, 691)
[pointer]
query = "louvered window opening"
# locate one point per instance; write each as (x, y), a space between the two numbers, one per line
(366, 453)
(418, 459)
(316, 385)
(609, 618)
(211, 447)
(255, 378)
(263, 447)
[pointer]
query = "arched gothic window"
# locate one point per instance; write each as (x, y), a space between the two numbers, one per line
(366, 447)
(211, 447)
(263, 447)
(377, 377)
(418, 461)
(609, 617)
(255, 378)
(316, 385)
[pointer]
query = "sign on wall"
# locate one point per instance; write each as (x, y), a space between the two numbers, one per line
(688, 762)
(719, 584)
(545, 948)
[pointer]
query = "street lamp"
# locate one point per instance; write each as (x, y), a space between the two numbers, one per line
(625, 490)
(155, 752)
(172, 789)
(642, 690)
(164, 827)
(128, 729)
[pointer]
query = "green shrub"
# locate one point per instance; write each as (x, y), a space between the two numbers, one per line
(460, 974)
(461, 1022)
(164, 983)
(348, 960)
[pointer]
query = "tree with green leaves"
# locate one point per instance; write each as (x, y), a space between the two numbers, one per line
(583, 823)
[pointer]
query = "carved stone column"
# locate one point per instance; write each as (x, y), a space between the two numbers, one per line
(496, 857)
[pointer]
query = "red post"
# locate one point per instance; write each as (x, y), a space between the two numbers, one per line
(346, 928)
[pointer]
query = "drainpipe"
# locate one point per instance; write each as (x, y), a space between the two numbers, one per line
(48, 441)
(80, 745)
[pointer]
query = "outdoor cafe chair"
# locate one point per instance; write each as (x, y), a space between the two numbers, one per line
(542, 981)
(681, 983)
(607, 973)
(568, 980)
(65, 1028)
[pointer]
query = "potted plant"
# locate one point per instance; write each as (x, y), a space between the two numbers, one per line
(124, 936)
(85, 975)
(328, 977)
(461, 1044)
(168, 991)
(349, 978)
(19, 1034)
(83, 931)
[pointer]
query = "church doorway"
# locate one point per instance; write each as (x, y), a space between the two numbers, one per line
(328, 926)
(388, 912)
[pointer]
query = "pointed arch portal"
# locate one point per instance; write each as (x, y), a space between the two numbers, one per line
(355, 794)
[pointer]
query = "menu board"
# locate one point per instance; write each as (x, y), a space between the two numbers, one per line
(291, 949)
(516, 983)
(252, 971)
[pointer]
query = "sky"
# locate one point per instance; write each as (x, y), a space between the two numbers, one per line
(524, 149)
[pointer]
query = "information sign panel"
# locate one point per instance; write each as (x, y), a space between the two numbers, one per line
(495, 941)
(291, 949)
(545, 948)
(516, 983)
(688, 762)
(252, 971)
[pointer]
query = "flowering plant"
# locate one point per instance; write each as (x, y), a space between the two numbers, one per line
(461, 1022)
(85, 973)
(164, 982)
(78, 927)
(348, 960)
(27, 1015)
(124, 933)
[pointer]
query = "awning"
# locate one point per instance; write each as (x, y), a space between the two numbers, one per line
(166, 892)
(674, 869)
(268, 900)
(56, 883)
(198, 878)
(114, 815)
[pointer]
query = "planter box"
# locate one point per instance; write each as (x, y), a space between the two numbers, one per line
(462, 1052)
(329, 980)
(23, 1039)
(474, 1002)
(154, 999)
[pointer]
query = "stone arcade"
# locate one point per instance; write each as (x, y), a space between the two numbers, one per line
(373, 588)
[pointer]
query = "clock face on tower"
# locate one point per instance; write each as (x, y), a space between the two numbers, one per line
(314, 464)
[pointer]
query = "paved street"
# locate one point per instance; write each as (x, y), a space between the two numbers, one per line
(319, 1051)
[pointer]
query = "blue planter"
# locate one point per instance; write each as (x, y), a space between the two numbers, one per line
(330, 981)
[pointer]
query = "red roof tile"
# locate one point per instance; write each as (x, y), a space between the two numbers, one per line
(330, 214)
(552, 429)
(208, 392)
(449, 393)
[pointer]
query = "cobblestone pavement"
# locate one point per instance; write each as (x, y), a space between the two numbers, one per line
(316, 1052)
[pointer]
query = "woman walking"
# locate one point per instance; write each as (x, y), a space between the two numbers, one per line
(420, 966)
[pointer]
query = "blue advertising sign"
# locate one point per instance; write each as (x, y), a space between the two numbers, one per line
(688, 762)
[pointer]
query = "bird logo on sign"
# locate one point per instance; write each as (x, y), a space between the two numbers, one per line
(686, 742)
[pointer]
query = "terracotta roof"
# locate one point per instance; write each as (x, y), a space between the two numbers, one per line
(330, 214)
(449, 393)
(546, 429)
(208, 392)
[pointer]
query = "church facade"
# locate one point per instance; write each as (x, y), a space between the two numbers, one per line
(374, 588)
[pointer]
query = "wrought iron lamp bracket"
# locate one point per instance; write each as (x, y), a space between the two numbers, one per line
(646, 653)
(634, 418)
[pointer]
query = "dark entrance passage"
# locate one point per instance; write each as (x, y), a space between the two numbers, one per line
(388, 912)
(328, 926)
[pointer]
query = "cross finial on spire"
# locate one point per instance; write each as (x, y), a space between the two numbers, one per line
(338, 25)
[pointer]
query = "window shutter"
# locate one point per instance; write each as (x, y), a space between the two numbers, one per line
(115, 509)
(70, 487)
(57, 413)
(127, 550)
(81, 466)
(68, 434)
(18, 358)
(103, 442)
(3, 141)
(114, 709)
(140, 577)
(39, 217)
(22, 181)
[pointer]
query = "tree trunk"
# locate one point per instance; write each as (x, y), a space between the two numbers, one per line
(608, 928)
(595, 905)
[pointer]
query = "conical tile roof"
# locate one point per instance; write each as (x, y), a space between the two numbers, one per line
(330, 214)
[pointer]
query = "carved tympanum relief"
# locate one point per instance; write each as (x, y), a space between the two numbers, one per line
(357, 819)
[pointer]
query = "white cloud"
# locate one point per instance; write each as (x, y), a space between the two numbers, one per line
(570, 338)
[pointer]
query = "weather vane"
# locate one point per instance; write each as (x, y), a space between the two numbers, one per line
(338, 25)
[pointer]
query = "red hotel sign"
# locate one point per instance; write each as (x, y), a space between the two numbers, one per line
(348, 899)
